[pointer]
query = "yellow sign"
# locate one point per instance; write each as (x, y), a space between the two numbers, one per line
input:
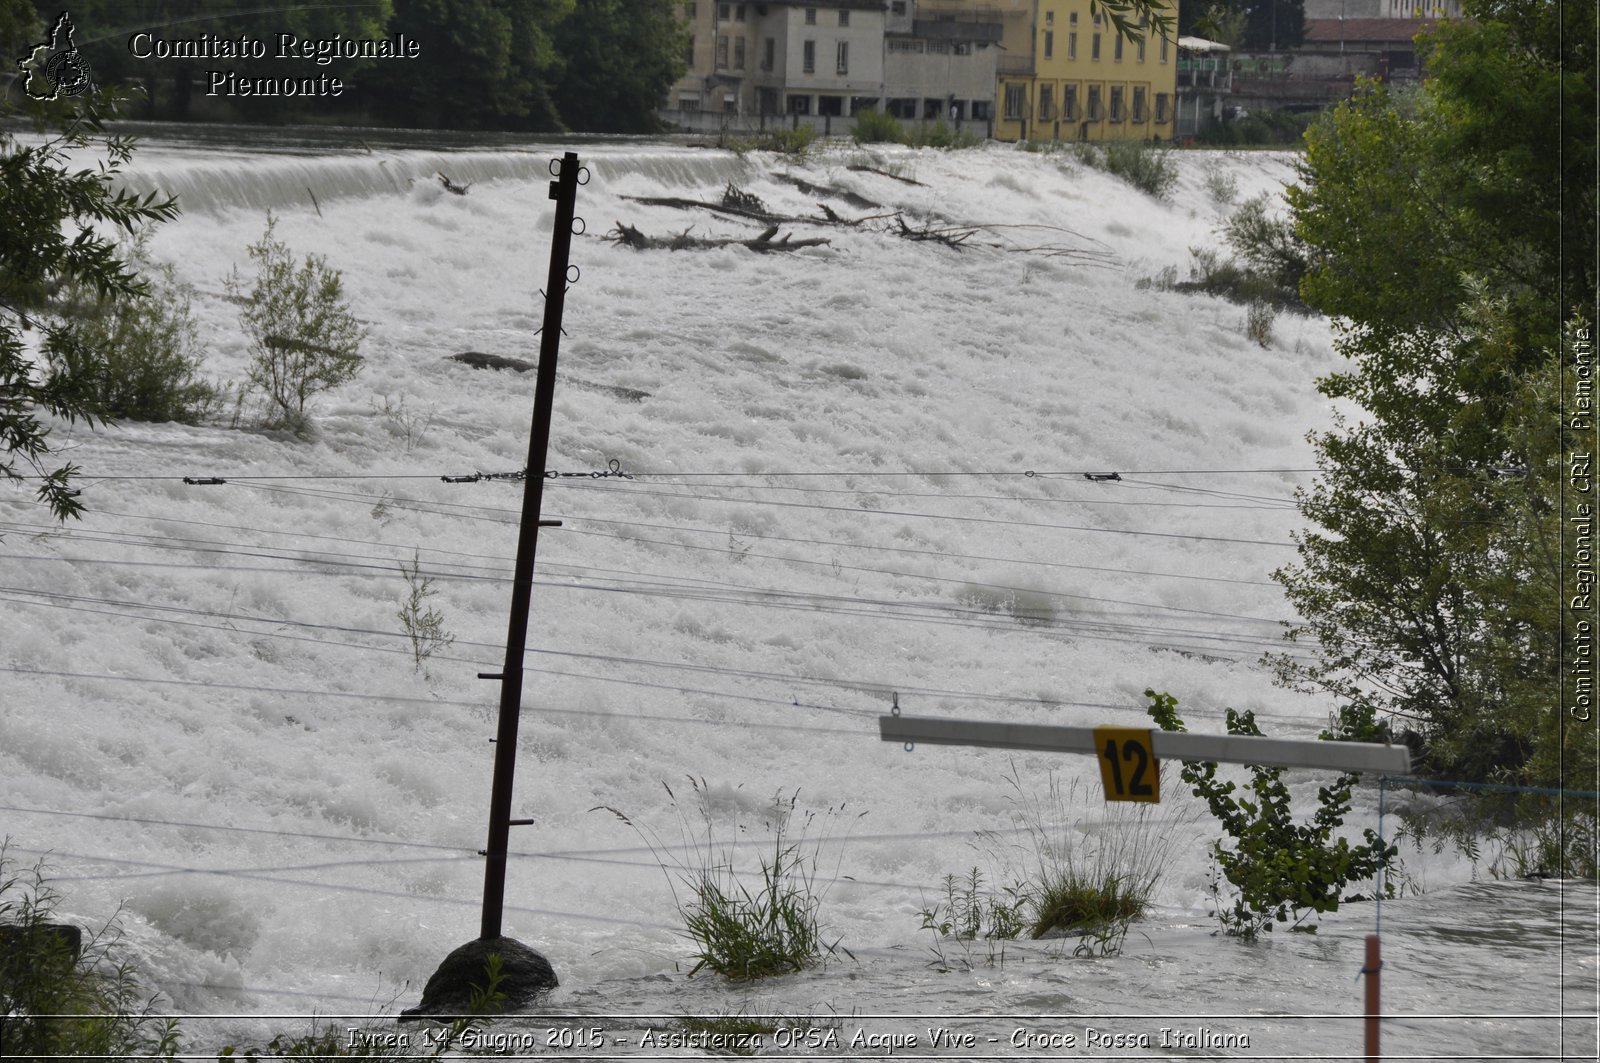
(1128, 768)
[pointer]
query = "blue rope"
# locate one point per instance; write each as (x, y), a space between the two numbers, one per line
(1377, 908)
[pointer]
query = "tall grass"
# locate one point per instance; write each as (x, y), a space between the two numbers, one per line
(1089, 879)
(740, 931)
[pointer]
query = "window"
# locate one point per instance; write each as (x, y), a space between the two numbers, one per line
(1163, 49)
(1139, 114)
(688, 104)
(1161, 108)
(799, 104)
(844, 17)
(769, 57)
(738, 12)
(1049, 18)
(1049, 43)
(722, 53)
(898, 7)
(1069, 103)
(1016, 100)
(1094, 103)
(1047, 102)
(738, 53)
(688, 56)
(844, 57)
(1072, 45)
(811, 16)
(724, 12)
(961, 47)
(1094, 49)
(1116, 103)
(1139, 44)
(690, 10)
(808, 62)
(1116, 49)
(982, 110)
(905, 47)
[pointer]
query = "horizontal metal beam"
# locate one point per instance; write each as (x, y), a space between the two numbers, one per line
(1170, 745)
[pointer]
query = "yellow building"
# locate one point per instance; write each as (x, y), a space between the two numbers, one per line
(1065, 74)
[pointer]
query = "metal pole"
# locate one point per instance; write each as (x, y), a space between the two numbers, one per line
(1374, 965)
(564, 190)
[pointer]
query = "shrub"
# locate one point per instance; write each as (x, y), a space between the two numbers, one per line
(1276, 868)
(1259, 130)
(877, 127)
(797, 141)
(1221, 186)
(1146, 168)
(739, 933)
(135, 357)
(1259, 316)
(303, 337)
(58, 1001)
(1269, 246)
(940, 135)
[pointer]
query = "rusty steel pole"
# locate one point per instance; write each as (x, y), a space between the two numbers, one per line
(564, 190)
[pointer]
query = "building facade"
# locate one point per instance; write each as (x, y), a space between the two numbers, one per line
(747, 59)
(1066, 74)
(1022, 69)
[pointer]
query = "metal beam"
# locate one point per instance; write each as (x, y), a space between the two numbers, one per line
(1171, 745)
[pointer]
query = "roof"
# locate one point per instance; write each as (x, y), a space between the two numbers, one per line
(1334, 30)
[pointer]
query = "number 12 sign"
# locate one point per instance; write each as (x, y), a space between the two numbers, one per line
(1128, 768)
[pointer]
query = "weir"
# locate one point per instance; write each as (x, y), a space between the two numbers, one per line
(252, 181)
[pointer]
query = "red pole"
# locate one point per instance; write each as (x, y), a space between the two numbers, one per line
(1371, 968)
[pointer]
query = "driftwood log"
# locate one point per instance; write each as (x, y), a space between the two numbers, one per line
(632, 237)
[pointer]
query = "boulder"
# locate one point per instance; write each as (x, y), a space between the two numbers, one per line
(524, 975)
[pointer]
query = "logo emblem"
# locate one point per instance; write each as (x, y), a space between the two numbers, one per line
(55, 67)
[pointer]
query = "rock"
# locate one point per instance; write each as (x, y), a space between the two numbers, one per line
(524, 975)
(479, 360)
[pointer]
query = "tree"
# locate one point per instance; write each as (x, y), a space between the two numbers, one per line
(606, 89)
(487, 64)
(59, 217)
(1450, 231)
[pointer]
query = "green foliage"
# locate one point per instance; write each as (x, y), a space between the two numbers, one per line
(877, 127)
(1277, 869)
(484, 64)
(971, 912)
(1443, 225)
(1147, 168)
(938, 134)
(60, 217)
(55, 1004)
(422, 623)
(739, 932)
(303, 337)
(1532, 835)
(1259, 129)
(608, 88)
(1268, 245)
(797, 141)
(135, 357)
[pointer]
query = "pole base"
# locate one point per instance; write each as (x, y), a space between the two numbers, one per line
(524, 974)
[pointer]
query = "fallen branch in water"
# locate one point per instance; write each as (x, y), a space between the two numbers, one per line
(632, 237)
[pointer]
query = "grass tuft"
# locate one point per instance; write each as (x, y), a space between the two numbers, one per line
(745, 932)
